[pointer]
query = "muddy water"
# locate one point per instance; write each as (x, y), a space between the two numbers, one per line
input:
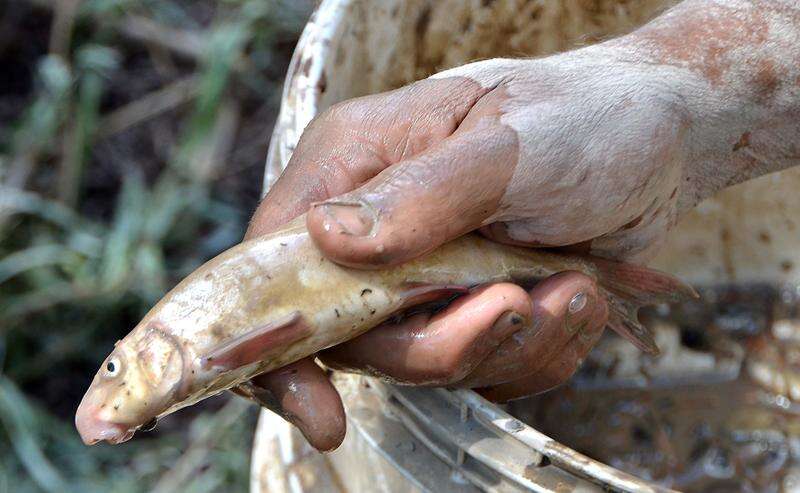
(719, 411)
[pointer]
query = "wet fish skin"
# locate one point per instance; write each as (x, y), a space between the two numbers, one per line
(273, 300)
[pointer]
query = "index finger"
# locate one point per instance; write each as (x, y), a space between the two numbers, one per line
(353, 141)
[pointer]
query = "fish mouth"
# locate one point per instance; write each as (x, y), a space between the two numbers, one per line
(93, 429)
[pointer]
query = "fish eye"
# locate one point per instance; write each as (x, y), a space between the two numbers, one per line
(112, 367)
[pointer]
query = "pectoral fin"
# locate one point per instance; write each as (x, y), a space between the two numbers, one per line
(253, 345)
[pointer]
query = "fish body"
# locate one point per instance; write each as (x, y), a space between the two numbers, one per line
(273, 300)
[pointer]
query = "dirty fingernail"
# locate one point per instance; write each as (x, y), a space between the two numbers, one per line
(578, 302)
(578, 311)
(347, 218)
(266, 399)
(507, 323)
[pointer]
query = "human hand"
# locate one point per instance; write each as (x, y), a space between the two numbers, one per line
(413, 168)
(598, 150)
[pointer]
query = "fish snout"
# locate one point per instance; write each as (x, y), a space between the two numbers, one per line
(92, 428)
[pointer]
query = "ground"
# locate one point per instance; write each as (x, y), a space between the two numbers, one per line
(132, 139)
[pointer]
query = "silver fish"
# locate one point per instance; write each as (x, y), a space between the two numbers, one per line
(273, 300)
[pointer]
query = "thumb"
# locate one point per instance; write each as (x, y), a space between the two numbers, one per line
(416, 205)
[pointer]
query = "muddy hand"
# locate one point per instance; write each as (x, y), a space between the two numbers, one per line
(503, 341)
(354, 143)
(599, 149)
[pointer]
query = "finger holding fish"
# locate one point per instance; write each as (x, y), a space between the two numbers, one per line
(493, 336)
(438, 349)
(561, 306)
(314, 406)
(353, 141)
(421, 202)
(579, 317)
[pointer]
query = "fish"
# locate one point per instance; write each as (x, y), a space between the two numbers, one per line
(275, 299)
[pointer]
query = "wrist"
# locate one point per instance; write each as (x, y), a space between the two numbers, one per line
(731, 65)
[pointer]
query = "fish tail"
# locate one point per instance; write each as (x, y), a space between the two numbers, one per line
(629, 287)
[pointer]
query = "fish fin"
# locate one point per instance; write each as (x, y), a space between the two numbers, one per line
(415, 293)
(623, 320)
(628, 287)
(254, 344)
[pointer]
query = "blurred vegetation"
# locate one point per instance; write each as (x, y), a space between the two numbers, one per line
(132, 138)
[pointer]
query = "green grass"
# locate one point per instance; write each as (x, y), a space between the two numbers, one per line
(109, 196)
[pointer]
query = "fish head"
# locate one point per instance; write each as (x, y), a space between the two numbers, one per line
(135, 384)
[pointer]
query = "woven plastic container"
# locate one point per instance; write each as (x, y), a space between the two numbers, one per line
(405, 439)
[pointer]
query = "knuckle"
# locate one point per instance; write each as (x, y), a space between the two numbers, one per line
(338, 113)
(355, 111)
(514, 298)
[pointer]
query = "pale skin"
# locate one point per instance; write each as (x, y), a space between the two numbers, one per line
(598, 150)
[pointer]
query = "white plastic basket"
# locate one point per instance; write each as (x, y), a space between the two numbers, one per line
(403, 439)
